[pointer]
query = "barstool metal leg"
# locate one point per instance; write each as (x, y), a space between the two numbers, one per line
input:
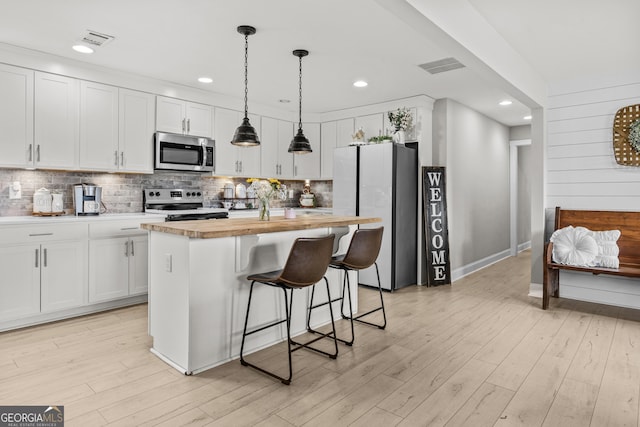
(384, 315)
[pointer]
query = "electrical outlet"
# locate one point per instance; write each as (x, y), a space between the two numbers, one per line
(15, 190)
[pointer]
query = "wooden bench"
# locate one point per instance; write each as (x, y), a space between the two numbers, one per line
(629, 243)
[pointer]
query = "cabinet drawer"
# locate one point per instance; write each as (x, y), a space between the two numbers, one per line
(124, 227)
(42, 233)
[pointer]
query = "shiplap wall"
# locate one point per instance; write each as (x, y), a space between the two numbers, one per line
(582, 173)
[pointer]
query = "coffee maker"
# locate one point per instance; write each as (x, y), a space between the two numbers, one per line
(87, 199)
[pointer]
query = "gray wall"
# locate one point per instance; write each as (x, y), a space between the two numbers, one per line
(475, 151)
(524, 192)
(520, 132)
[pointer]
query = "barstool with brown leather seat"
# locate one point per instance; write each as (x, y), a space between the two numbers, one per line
(362, 253)
(306, 265)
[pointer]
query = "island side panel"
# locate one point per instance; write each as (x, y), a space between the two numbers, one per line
(169, 297)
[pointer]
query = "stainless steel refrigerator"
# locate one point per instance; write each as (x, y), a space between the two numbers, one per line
(381, 180)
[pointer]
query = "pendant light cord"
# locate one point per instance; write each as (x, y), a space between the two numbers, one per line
(246, 74)
(300, 97)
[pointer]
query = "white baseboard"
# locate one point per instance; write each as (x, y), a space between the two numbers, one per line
(535, 290)
(460, 272)
(524, 246)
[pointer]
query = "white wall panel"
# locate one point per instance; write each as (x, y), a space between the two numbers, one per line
(582, 173)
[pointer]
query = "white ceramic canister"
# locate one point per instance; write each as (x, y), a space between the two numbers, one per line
(42, 200)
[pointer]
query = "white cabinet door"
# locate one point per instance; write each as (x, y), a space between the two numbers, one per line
(269, 143)
(63, 267)
(56, 121)
(108, 269)
(327, 145)
(199, 120)
(171, 115)
(189, 118)
(372, 125)
(344, 132)
(20, 284)
(250, 157)
(16, 116)
(138, 266)
(136, 125)
(285, 159)
(226, 122)
(99, 127)
(307, 166)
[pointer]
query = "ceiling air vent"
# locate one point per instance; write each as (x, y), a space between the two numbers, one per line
(94, 38)
(442, 65)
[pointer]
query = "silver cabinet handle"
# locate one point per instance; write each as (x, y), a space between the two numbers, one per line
(188, 125)
(122, 158)
(37, 256)
(44, 253)
(38, 153)
(40, 234)
(236, 166)
(241, 168)
(133, 252)
(295, 171)
(128, 228)
(115, 155)
(183, 127)
(30, 152)
(126, 248)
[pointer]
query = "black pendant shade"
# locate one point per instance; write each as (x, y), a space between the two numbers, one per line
(300, 144)
(245, 135)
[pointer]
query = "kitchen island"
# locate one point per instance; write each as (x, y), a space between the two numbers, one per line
(198, 290)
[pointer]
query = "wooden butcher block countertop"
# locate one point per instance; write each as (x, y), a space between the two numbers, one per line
(213, 228)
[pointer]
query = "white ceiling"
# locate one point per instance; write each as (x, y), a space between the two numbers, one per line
(179, 41)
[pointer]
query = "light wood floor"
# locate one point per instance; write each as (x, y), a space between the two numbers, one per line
(477, 353)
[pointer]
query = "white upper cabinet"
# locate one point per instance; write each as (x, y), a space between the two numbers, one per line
(16, 116)
(277, 162)
(372, 125)
(233, 160)
(182, 117)
(116, 129)
(344, 132)
(136, 124)
(98, 127)
(307, 166)
(56, 139)
(328, 138)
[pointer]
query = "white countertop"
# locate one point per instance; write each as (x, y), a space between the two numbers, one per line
(28, 219)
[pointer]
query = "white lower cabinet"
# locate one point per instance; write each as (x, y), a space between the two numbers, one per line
(44, 269)
(118, 260)
(20, 290)
(63, 272)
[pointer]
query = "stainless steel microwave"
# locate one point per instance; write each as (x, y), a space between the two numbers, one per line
(184, 152)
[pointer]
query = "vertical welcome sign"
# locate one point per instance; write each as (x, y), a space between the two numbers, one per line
(435, 225)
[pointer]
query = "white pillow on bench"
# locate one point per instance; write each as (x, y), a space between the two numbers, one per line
(608, 249)
(582, 247)
(574, 246)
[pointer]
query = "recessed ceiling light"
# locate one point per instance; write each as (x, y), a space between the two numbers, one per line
(360, 83)
(284, 101)
(82, 48)
(527, 117)
(205, 79)
(506, 102)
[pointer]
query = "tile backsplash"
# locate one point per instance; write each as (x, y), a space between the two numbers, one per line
(122, 193)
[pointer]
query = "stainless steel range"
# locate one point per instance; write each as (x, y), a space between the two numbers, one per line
(179, 204)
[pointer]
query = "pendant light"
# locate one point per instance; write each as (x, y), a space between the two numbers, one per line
(300, 143)
(246, 135)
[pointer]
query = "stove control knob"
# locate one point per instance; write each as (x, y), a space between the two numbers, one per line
(150, 193)
(188, 194)
(157, 193)
(198, 194)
